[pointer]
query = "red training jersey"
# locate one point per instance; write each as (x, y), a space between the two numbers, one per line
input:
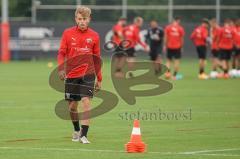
(79, 53)
(226, 38)
(117, 33)
(174, 34)
(199, 36)
(131, 33)
(237, 37)
(214, 37)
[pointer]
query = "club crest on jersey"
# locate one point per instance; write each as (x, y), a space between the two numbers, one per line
(89, 40)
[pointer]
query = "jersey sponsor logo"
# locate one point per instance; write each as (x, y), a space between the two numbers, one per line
(227, 33)
(131, 28)
(174, 29)
(82, 49)
(89, 40)
(174, 32)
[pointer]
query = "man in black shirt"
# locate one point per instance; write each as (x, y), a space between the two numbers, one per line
(154, 38)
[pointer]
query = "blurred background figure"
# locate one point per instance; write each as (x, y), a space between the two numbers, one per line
(155, 39)
(214, 36)
(236, 56)
(199, 37)
(173, 44)
(226, 46)
(131, 34)
(119, 56)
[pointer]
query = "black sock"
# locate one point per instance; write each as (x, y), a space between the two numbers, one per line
(201, 70)
(221, 68)
(130, 74)
(225, 71)
(76, 125)
(118, 70)
(84, 130)
(175, 73)
(159, 68)
(157, 71)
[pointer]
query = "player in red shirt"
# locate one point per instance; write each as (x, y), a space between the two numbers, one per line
(236, 56)
(225, 44)
(199, 37)
(119, 57)
(78, 46)
(214, 35)
(131, 34)
(173, 43)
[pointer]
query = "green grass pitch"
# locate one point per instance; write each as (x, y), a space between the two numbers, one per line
(30, 129)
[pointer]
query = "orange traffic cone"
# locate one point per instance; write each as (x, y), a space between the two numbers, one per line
(135, 145)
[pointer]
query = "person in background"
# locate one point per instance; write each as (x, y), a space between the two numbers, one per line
(199, 37)
(236, 55)
(119, 57)
(131, 34)
(226, 44)
(214, 35)
(173, 44)
(154, 38)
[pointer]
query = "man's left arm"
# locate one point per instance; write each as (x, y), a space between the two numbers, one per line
(182, 39)
(138, 40)
(97, 63)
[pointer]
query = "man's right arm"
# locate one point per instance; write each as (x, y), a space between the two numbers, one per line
(165, 40)
(219, 35)
(192, 35)
(61, 57)
(182, 39)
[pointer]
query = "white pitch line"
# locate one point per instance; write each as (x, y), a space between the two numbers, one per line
(202, 152)
(57, 149)
(224, 155)
(79, 149)
(207, 151)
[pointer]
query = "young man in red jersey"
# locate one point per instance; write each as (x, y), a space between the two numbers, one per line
(225, 44)
(236, 55)
(131, 34)
(173, 44)
(199, 37)
(77, 44)
(214, 35)
(119, 56)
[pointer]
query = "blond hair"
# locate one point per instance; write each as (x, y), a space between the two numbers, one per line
(83, 10)
(137, 19)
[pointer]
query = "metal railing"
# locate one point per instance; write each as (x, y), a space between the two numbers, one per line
(36, 5)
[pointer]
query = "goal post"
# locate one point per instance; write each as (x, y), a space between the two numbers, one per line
(5, 33)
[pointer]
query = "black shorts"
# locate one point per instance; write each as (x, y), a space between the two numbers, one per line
(236, 52)
(202, 52)
(119, 52)
(154, 52)
(215, 53)
(225, 54)
(76, 88)
(130, 52)
(174, 53)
